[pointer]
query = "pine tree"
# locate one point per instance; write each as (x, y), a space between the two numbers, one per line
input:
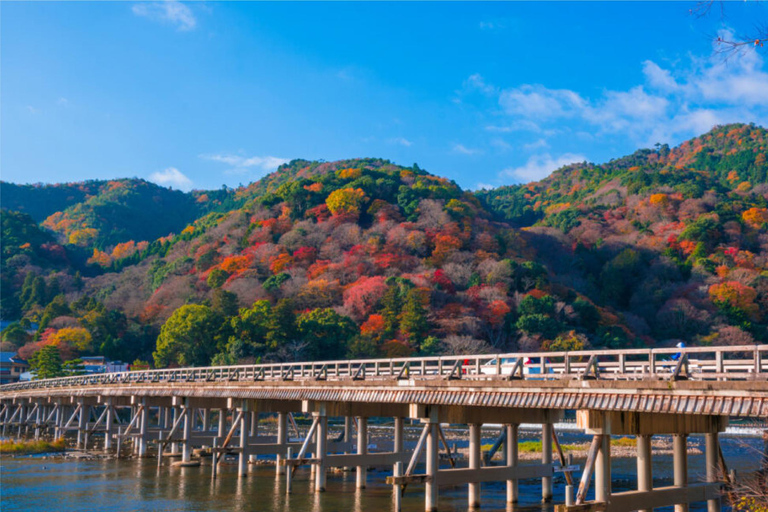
(46, 363)
(281, 325)
(413, 320)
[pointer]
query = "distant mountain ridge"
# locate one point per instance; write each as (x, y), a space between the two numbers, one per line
(363, 257)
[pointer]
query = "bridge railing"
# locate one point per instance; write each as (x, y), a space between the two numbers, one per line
(696, 363)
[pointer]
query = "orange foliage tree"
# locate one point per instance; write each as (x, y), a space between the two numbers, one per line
(735, 295)
(755, 217)
(345, 201)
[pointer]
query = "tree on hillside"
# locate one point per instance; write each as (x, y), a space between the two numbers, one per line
(189, 337)
(326, 333)
(46, 363)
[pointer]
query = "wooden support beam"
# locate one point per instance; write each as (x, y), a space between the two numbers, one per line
(662, 497)
(589, 465)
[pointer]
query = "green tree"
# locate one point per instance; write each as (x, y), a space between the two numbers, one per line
(413, 321)
(620, 276)
(73, 367)
(56, 308)
(217, 277)
(46, 363)
(326, 332)
(252, 325)
(281, 324)
(32, 291)
(190, 337)
(538, 324)
(224, 303)
(15, 334)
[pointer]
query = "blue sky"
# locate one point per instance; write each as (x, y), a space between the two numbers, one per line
(196, 95)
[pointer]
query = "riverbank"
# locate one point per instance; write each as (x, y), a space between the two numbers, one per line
(12, 447)
(622, 447)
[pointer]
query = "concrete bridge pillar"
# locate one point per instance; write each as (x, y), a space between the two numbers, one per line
(222, 427)
(82, 423)
(399, 444)
(711, 454)
(175, 415)
(242, 460)
(603, 464)
(680, 462)
(511, 455)
(282, 438)
(143, 428)
(56, 420)
(644, 465)
(186, 451)
(321, 449)
(206, 419)
(433, 464)
(23, 418)
(546, 458)
(108, 427)
(362, 449)
(475, 444)
(38, 414)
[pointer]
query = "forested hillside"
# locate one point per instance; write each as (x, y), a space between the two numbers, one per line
(366, 258)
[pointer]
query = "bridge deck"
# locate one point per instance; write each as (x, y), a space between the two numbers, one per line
(729, 381)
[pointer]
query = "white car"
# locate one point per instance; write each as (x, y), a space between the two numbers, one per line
(531, 366)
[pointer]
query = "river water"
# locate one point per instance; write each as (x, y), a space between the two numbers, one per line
(39, 484)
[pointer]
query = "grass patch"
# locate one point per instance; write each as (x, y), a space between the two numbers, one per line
(629, 442)
(25, 447)
(535, 447)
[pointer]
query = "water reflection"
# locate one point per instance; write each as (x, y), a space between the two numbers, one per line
(33, 484)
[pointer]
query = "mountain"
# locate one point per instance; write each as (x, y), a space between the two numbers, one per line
(363, 257)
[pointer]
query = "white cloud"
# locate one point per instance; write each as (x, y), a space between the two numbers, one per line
(170, 12)
(657, 77)
(541, 166)
(401, 141)
(242, 164)
(669, 106)
(537, 144)
(464, 150)
(477, 82)
(32, 110)
(537, 101)
(63, 101)
(171, 177)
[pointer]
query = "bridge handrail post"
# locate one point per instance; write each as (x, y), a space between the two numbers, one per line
(651, 363)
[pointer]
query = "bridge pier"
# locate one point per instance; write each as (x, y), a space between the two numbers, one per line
(242, 459)
(186, 449)
(643, 426)
(433, 465)
(644, 465)
(546, 458)
(143, 427)
(511, 456)
(711, 454)
(109, 427)
(680, 462)
(82, 422)
(282, 438)
(361, 473)
(475, 444)
(321, 449)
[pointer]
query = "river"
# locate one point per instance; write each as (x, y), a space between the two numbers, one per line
(35, 483)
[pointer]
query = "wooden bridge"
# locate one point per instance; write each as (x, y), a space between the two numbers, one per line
(675, 392)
